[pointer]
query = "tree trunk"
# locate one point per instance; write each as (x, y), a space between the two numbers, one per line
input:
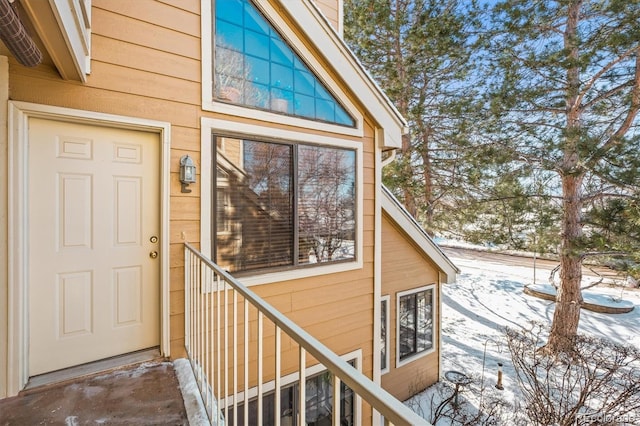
(569, 299)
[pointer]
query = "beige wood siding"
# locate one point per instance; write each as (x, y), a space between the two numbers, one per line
(331, 10)
(405, 267)
(146, 64)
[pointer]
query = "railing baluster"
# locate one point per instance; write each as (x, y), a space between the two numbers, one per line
(218, 409)
(336, 400)
(199, 323)
(260, 368)
(246, 362)
(235, 357)
(302, 386)
(207, 330)
(213, 404)
(226, 349)
(278, 379)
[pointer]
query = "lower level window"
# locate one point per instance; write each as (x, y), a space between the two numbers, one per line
(281, 205)
(319, 405)
(415, 322)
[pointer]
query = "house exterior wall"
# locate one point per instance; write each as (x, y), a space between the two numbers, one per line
(146, 64)
(404, 267)
(332, 10)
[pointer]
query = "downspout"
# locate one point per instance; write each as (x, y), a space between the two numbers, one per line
(15, 37)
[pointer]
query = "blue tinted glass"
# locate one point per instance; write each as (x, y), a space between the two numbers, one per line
(281, 77)
(299, 64)
(257, 44)
(325, 110)
(258, 70)
(281, 53)
(229, 10)
(304, 106)
(342, 117)
(304, 82)
(264, 69)
(229, 35)
(322, 93)
(254, 21)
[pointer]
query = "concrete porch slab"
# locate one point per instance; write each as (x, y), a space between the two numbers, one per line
(144, 394)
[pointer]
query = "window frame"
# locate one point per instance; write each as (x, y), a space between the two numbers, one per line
(211, 127)
(314, 370)
(297, 205)
(387, 341)
(209, 103)
(432, 349)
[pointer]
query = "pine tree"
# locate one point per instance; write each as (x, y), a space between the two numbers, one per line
(419, 51)
(565, 93)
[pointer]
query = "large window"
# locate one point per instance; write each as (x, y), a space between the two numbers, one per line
(283, 205)
(415, 322)
(255, 67)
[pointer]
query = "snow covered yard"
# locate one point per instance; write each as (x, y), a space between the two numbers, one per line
(487, 297)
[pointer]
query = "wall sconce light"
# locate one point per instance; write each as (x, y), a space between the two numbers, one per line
(187, 172)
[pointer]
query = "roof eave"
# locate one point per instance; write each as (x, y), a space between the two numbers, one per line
(412, 228)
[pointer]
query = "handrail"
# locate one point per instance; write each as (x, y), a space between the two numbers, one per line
(394, 411)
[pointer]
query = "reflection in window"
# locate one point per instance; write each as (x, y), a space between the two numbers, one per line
(416, 323)
(319, 404)
(272, 211)
(384, 315)
(255, 67)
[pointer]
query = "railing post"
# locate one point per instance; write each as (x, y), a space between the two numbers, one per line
(336, 400)
(260, 354)
(277, 378)
(302, 386)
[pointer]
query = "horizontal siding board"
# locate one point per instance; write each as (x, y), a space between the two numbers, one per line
(185, 138)
(192, 6)
(190, 228)
(57, 92)
(159, 14)
(136, 82)
(143, 58)
(185, 208)
(119, 27)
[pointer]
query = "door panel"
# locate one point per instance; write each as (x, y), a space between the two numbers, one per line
(94, 290)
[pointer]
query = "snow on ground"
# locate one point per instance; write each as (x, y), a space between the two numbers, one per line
(489, 296)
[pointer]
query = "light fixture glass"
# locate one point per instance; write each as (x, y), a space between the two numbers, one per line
(187, 172)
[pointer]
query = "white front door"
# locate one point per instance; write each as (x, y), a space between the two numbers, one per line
(93, 232)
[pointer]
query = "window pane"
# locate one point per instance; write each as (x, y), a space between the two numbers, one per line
(416, 323)
(326, 204)
(260, 203)
(425, 323)
(257, 229)
(407, 325)
(243, 30)
(383, 335)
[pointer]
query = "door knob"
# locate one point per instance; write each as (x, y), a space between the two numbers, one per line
(153, 254)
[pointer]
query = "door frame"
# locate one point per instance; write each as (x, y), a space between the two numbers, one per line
(18, 226)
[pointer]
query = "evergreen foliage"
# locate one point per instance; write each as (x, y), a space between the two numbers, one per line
(524, 122)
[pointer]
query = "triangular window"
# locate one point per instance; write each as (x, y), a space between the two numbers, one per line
(255, 67)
